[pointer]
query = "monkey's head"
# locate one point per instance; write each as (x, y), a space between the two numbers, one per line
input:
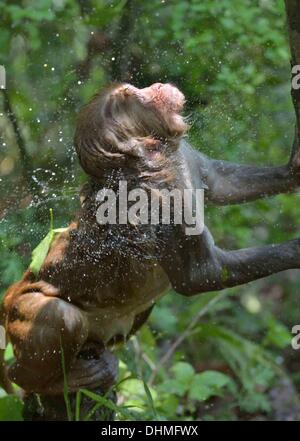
(130, 129)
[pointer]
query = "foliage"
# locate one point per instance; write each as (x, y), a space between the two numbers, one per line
(10, 408)
(231, 59)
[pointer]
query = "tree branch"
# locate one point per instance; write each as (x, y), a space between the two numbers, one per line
(17, 131)
(25, 158)
(293, 22)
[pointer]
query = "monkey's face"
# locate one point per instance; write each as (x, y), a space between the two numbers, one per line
(162, 97)
(156, 108)
(124, 122)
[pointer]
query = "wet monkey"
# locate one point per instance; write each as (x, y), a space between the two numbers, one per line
(99, 283)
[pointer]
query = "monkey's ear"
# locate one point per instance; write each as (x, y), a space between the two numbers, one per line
(124, 90)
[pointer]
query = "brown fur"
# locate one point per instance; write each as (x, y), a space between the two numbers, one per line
(98, 284)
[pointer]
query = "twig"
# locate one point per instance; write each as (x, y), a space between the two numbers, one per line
(17, 131)
(183, 336)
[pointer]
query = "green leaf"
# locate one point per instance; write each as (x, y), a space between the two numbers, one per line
(9, 352)
(183, 372)
(255, 402)
(278, 334)
(40, 252)
(208, 384)
(150, 400)
(173, 387)
(107, 403)
(11, 408)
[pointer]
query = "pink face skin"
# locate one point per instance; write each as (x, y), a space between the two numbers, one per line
(164, 97)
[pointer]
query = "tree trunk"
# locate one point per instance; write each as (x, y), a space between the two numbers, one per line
(293, 22)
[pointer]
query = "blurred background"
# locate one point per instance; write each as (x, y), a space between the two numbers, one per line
(220, 355)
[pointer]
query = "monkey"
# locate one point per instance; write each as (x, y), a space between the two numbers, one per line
(99, 282)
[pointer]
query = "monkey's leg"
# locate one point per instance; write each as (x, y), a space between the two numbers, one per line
(92, 360)
(46, 332)
(197, 265)
(93, 367)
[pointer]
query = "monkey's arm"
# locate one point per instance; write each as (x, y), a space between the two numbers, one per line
(232, 183)
(229, 183)
(194, 264)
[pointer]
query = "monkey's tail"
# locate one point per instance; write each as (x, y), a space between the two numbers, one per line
(4, 380)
